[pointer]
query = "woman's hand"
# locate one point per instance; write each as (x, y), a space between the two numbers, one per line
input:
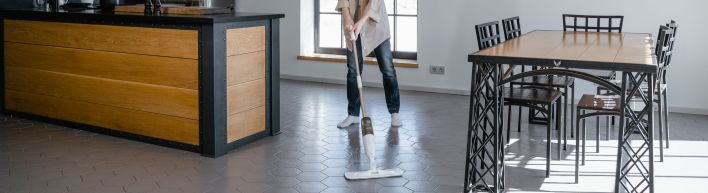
(359, 25)
(348, 24)
(349, 30)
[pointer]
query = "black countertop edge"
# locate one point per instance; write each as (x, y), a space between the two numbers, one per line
(92, 15)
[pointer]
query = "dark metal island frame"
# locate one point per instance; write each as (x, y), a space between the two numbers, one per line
(206, 84)
(628, 53)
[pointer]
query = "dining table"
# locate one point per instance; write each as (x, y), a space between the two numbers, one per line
(570, 54)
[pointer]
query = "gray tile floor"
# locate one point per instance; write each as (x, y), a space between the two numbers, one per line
(312, 154)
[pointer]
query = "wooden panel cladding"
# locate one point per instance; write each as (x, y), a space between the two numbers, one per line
(165, 71)
(129, 95)
(245, 96)
(245, 67)
(245, 124)
(245, 40)
(245, 72)
(176, 43)
(121, 119)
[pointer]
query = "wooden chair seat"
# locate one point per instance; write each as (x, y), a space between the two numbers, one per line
(531, 95)
(599, 102)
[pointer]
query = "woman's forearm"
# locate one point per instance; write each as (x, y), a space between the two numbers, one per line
(347, 24)
(347, 17)
(345, 13)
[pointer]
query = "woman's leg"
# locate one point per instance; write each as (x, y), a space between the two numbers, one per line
(352, 90)
(390, 81)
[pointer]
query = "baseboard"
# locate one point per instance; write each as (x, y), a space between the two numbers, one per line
(377, 85)
(673, 109)
(688, 110)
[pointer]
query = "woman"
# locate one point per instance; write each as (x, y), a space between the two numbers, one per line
(371, 32)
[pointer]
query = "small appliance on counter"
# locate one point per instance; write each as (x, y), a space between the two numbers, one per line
(81, 4)
(201, 7)
(109, 5)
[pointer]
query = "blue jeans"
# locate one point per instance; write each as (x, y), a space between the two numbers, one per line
(390, 82)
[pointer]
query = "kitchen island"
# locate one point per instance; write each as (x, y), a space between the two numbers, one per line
(202, 83)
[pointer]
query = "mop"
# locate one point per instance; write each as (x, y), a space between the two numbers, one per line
(367, 130)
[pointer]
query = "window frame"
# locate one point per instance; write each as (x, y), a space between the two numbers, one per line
(343, 51)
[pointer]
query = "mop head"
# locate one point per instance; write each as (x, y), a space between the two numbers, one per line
(367, 131)
(371, 174)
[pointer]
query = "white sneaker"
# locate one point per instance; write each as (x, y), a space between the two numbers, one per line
(395, 120)
(348, 121)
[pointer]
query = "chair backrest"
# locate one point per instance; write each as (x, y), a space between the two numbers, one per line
(673, 26)
(487, 34)
(665, 47)
(598, 23)
(512, 27)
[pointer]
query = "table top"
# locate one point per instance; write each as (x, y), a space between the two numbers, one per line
(630, 52)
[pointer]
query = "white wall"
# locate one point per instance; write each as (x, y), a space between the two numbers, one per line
(446, 37)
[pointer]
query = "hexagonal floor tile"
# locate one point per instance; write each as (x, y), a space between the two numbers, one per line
(118, 181)
(421, 186)
(338, 190)
(254, 187)
(310, 187)
(173, 182)
(143, 186)
(311, 176)
(394, 190)
(286, 172)
(312, 167)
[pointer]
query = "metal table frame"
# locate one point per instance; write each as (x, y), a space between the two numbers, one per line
(484, 161)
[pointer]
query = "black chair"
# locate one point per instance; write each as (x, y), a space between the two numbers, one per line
(542, 99)
(596, 23)
(663, 87)
(663, 51)
(603, 105)
(590, 23)
(661, 92)
(512, 29)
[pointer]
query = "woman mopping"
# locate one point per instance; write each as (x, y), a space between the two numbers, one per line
(371, 32)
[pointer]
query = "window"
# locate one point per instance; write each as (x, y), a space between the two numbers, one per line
(403, 20)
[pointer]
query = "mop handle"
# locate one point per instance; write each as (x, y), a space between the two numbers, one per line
(358, 75)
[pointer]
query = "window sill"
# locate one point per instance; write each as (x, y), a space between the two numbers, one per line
(402, 63)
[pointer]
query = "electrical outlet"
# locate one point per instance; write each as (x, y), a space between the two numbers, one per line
(437, 70)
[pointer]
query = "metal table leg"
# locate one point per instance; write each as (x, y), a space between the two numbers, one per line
(633, 149)
(484, 169)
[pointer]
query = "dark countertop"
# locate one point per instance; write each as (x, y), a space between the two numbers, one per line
(98, 15)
